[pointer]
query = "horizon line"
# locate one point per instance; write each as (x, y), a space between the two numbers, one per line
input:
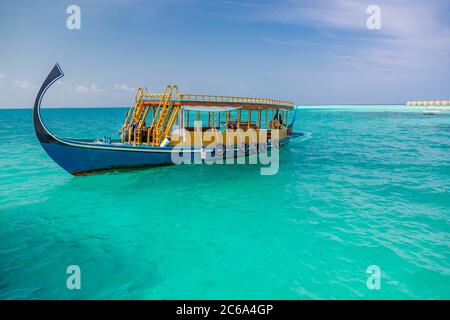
(296, 106)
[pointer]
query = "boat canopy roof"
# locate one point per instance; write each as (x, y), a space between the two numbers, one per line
(209, 108)
(210, 102)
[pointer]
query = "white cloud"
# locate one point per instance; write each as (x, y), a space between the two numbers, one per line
(23, 84)
(285, 43)
(414, 34)
(239, 3)
(335, 13)
(93, 88)
(2, 75)
(82, 89)
(399, 17)
(124, 87)
(63, 83)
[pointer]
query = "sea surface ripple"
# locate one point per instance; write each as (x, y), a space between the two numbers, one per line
(365, 186)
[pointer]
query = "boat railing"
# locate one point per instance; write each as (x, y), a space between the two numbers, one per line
(218, 99)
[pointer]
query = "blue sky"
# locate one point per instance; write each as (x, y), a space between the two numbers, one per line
(309, 52)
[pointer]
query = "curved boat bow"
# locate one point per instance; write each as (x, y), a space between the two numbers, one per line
(80, 157)
(42, 133)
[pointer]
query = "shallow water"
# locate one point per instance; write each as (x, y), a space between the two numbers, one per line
(365, 186)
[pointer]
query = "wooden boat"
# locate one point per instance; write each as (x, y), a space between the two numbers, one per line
(169, 130)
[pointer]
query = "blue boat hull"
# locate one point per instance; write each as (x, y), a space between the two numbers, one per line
(79, 160)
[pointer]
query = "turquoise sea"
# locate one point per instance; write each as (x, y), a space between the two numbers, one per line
(367, 185)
